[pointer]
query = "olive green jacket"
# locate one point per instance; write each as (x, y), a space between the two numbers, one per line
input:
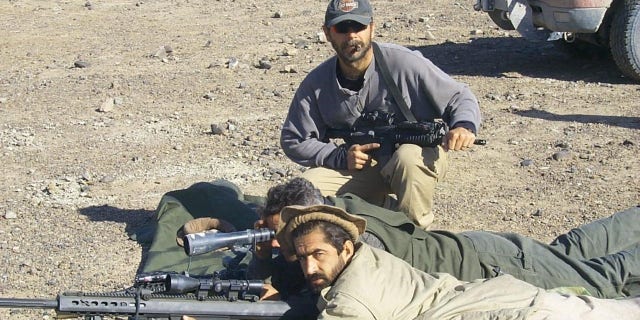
(219, 199)
(433, 251)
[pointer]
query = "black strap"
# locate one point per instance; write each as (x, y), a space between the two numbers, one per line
(393, 87)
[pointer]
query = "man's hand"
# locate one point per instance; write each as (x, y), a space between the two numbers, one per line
(357, 157)
(205, 224)
(458, 139)
(262, 250)
(269, 293)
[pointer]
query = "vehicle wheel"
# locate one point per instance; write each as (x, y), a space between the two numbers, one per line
(624, 39)
(501, 19)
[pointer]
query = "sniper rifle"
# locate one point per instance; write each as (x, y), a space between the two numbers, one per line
(168, 296)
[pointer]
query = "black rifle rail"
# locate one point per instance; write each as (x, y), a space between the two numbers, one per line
(391, 134)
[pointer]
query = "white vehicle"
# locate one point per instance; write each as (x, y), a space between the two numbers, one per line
(613, 25)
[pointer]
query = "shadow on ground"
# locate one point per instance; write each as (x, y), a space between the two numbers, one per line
(139, 224)
(498, 57)
(618, 121)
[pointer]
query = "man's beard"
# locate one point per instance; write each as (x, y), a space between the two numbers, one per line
(324, 280)
(352, 50)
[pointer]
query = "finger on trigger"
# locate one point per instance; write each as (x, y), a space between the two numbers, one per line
(370, 146)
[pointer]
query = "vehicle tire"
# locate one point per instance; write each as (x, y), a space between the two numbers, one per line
(624, 39)
(501, 19)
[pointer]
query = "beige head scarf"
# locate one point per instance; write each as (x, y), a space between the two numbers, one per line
(293, 216)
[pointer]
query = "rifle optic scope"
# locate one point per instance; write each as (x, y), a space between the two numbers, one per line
(203, 286)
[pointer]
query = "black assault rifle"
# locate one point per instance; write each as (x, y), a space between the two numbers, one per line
(381, 127)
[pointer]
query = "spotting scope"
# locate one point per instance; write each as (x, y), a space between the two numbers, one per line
(211, 240)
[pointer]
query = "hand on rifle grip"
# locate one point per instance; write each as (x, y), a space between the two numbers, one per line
(458, 139)
(357, 157)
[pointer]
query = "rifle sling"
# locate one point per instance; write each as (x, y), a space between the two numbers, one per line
(393, 87)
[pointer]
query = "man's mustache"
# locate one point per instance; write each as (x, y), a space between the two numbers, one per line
(317, 276)
(354, 43)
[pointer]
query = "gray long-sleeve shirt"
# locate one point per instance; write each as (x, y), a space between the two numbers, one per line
(321, 103)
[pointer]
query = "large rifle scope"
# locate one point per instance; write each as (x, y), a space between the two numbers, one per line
(232, 289)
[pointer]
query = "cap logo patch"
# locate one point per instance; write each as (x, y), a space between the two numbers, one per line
(347, 5)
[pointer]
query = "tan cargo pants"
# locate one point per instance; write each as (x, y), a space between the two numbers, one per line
(410, 174)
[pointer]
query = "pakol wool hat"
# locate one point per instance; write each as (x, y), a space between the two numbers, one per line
(341, 10)
(293, 216)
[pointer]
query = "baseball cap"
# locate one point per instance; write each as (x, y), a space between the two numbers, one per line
(340, 10)
(293, 216)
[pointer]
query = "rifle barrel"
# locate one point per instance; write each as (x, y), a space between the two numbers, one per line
(28, 303)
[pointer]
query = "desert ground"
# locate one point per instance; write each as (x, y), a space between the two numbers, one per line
(107, 105)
